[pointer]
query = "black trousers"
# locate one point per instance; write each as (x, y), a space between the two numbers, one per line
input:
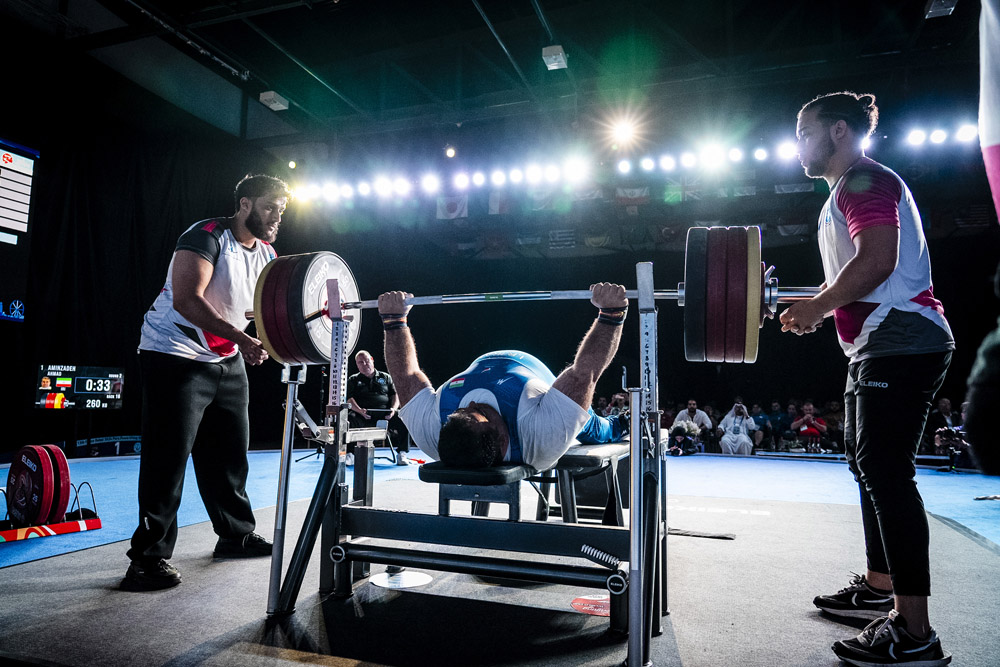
(198, 409)
(886, 403)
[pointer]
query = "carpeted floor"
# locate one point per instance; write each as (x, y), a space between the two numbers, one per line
(741, 602)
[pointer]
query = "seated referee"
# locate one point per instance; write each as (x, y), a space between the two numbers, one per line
(371, 396)
(507, 407)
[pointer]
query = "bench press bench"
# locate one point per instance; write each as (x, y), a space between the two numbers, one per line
(502, 484)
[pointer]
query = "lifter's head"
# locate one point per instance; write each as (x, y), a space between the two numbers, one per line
(830, 132)
(473, 437)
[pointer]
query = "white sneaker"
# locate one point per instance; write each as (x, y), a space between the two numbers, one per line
(350, 459)
(402, 460)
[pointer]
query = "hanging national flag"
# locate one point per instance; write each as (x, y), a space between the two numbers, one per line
(793, 230)
(744, 190)
(683, 188)
(632, 196)
(449, 208)
(588, 193)
(989, 93)
(561, 239)
(542, 199)
(597, 240)
(528, 240)
(788, 188)
(500, 202)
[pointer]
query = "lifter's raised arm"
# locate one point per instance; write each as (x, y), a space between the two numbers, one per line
(598, 347)
(400, 351)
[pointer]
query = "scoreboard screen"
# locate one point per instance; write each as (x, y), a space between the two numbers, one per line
(62, 387)
(17, 172)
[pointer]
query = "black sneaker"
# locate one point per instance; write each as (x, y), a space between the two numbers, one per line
(250, 545)
(886, 642)
(859, 600)
(394, 569)
(150, 576)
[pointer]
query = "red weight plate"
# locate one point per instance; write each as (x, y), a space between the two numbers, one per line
(310, 269)
(29, 487)
(715, 303)
(695, 256)
(736, 294)
(274, 306)
(60, 487)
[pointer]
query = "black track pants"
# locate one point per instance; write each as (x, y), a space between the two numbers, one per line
(886, 403)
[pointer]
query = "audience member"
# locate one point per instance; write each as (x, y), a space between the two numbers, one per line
(834, 417)
(697, 417)
(763, 431)
(680, 443)
(808, 428)
(941, 417)
(734, 429)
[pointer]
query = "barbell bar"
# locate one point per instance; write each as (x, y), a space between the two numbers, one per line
(727, 293)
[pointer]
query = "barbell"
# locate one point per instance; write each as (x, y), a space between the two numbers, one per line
(726, 294)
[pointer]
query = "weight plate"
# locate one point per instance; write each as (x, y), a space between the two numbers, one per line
(274, 291)
(60, 484)
(695, 256)
(29, 487)
(736, 294)
(263, 322)
(755, 295)
(308, 296)
(283, 315)
(715, 302)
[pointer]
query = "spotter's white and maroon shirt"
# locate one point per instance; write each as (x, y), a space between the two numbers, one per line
(900, 316)
(230, 291)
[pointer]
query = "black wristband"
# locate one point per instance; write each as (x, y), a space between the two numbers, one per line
(613, 316)
(392, 321)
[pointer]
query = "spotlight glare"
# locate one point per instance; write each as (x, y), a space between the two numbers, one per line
(516, 175)
(364, 188)
(551, 173)
(916, 137)
(712, 157)
(623, 131)
(383, 186)
(291, 164)
(938, 136)
(498, 178)
(760, 154)
(688, 159)
(668, 163)
(866, 143)
(331, 192)
(647, 164)
(346, 191)
(430, 183)
(461, 180)
(735, 155)
(449, 151)
(533, 173)
(787, 150)
(478, 178)
(967, 132)
(313, 191)
(575, 170)
(624, 166)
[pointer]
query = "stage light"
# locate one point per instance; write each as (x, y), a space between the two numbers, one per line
(575, 169)
(291, 164)
(735, 155)
(647, 164)
(938, 136)
(478, 178)
(787, 150)
(623, 132)
(760, 154)
(364, 188)
(401, 186)
(551, 173)
(624, 167)
(383, 186)
(498, 178)
(346, 191)
(967, 132)
(461, 180)
(331, 192)
(516, 176)
(688, 159)
(712, 157)
(533, 174)
(430, 183)
(916, 137)
(449, 151)
(668, 163)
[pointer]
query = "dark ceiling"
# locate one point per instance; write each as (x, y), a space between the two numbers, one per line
(353, 68)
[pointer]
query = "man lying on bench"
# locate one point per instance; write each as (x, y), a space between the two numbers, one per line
(507, 407)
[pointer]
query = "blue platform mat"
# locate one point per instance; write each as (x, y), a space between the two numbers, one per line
(114, 481)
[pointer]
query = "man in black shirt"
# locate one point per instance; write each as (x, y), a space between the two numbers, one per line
(372, 396)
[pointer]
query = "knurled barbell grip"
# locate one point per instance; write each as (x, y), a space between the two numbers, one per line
(785, 295)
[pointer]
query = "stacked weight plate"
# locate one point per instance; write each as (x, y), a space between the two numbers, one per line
(38, 486)
(723, 294)
(291, 310)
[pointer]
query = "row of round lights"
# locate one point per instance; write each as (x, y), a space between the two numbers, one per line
(576, 170)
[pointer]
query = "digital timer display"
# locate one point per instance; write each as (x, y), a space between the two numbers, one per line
(66, 387)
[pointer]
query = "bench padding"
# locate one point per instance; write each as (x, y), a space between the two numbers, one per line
(439, 473)
(591, 456)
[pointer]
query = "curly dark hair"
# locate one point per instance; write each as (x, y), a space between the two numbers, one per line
(858, 111)
(466, 442)
(253, 186)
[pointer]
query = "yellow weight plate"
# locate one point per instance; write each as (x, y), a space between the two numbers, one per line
(755, 295)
